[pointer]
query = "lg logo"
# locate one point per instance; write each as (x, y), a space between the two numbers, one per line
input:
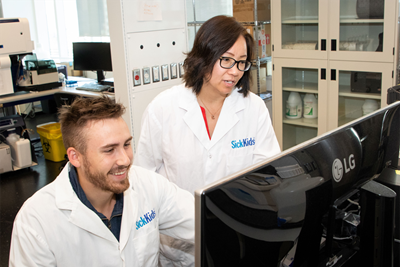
(338, 168)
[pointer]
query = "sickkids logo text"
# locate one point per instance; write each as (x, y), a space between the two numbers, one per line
(145, 219)
(243, 142)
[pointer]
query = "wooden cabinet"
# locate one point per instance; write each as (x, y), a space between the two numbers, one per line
(332, 50)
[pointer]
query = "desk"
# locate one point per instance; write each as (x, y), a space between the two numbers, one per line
(27, 97)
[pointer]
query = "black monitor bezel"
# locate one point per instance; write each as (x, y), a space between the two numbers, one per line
(92, 56)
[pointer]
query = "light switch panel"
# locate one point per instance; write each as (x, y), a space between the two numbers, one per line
(164, 72)
(146, 75)
(174, 71)
(181, 70)
(136, 77)
(156, 74)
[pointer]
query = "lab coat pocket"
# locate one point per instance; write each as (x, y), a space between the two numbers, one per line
(239, 159)
(147, 246)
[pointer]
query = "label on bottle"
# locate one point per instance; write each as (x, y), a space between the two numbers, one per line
(308, 108)
(292, 110)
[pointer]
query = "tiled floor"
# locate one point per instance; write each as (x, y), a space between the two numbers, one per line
(17, 186)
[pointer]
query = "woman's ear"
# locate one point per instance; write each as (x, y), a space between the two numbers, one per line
(74, 157)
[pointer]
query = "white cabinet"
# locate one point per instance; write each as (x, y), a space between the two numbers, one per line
(302, 76)
(346, 98)
(333, 50)
(322, 29)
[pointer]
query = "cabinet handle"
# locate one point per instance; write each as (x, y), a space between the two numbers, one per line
(323, 44)
(323, 74)
(333, 75)
(333, 44)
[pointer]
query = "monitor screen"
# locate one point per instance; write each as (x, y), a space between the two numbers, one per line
(302, 207)
(92, 56)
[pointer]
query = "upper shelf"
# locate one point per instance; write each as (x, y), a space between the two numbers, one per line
(360, 21)
(342, 21)
(300, 21)
(247, 23)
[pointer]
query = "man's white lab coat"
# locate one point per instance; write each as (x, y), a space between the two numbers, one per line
(54, 228)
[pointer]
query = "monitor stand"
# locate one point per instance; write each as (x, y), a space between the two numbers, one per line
(109, 81)
(100, 76)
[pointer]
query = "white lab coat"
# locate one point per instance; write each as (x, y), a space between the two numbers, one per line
(54, 228)
(174, 140)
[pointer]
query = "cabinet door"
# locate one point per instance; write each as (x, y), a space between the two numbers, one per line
(354, 88)
(300, 28)
(300, 77)
(362, 30)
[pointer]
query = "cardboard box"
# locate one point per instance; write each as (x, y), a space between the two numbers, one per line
(262, 80)
(262, 40)
(243, 10)
(70, 69)
(268, 50)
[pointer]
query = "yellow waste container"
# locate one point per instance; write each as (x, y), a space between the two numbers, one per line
(52, 142)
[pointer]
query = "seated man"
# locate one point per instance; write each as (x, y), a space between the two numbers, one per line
(99, 211)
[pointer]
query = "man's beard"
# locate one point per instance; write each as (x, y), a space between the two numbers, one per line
(103, 182)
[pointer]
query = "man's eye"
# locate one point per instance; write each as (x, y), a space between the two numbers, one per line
(127, 144)
(109, 150)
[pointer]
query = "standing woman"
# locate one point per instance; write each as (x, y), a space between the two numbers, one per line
(212, 125)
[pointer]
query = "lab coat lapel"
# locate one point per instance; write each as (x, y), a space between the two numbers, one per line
(128, 218)
(228, 116)
(194, 118)
(80, 215)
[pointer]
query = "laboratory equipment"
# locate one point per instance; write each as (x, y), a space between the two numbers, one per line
(15, 44)
(38, 75)
(16, 135)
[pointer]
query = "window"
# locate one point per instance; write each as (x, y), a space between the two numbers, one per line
(56, 24)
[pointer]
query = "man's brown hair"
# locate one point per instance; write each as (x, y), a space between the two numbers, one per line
(82, 111)
(213, 39)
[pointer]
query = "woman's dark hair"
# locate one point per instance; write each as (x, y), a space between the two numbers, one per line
(213, 39)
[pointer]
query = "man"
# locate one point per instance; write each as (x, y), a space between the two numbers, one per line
(99, 211)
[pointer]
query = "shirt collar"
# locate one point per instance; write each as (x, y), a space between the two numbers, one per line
(73, 177)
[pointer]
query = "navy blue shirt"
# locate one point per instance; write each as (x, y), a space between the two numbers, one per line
(114, 224)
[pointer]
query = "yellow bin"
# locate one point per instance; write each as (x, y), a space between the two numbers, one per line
(52, 142)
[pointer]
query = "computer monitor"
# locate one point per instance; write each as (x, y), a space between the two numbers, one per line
(316, 204)
(92, 56)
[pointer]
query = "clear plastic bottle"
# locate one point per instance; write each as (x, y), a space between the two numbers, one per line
(20, 150)
(294, 106)
(310, 106)
(12, 139)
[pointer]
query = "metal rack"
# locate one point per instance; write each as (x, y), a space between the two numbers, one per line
(257, 61)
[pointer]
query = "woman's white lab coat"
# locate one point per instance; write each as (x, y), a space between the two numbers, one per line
(174, 140)
(54, 228)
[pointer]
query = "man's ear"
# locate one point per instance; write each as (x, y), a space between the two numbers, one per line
(74, 157)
